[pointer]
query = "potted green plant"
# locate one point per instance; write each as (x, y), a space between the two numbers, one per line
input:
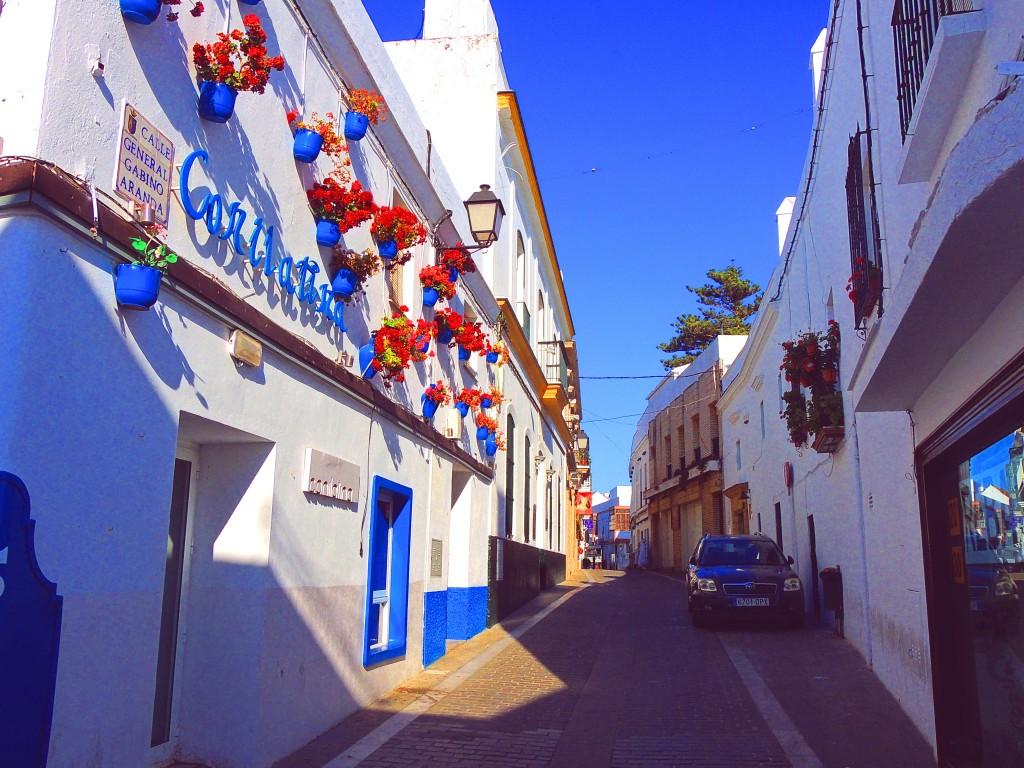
(237, 61)
(366, 107)
(314, 136)
(396, 229)
(350, 270)
(393, 348)
(146, 11)
(437, 285)
(338, 207)
(137, 285)
(436, 395)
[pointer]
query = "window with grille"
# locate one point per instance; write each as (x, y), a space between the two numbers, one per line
(865, 285)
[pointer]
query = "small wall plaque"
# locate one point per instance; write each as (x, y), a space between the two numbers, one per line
(436, 553)
(329, 476)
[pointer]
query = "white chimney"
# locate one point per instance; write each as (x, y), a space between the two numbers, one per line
(458, 18)
(783, 216)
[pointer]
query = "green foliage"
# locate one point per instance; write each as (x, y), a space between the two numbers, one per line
(722, 311)
(153, 255)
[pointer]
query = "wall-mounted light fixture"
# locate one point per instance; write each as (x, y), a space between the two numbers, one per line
(538, 459)
(485, 213)
(245, 349)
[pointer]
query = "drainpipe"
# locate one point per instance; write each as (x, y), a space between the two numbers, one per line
(863, 550)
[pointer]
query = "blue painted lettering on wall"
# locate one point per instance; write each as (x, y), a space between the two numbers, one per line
(297, 278)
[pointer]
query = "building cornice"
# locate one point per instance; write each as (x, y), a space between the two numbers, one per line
(507, 102)
(750, 363)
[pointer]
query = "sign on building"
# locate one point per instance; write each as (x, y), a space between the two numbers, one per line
(145, 158)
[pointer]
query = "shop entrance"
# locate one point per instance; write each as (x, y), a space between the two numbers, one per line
(974, 531)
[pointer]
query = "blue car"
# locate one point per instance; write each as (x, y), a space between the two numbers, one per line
(745, 577)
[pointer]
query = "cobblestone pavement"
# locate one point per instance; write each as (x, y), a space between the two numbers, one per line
(615, 676)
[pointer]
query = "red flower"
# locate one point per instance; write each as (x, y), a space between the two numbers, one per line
(240, 58)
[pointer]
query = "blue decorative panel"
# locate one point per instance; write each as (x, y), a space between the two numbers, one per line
(467, 612)
(30, 612)
(435, 625)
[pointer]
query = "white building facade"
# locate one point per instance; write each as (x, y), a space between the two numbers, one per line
(901, 235)
(215, 601)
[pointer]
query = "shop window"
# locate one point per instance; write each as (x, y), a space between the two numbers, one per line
(387, 584)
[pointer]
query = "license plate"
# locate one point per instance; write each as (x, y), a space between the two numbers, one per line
(753, 601)
(975, 605)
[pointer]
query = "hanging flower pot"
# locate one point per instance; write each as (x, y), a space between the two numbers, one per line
(429, 407)
(327, 233)
(307, 145)
(430, 297)
(811, 347)
(216, 101)
(828, 375)
(482, 433)
(137, 286)
(423, 344)
(356, 124)
(453, 274)
(345, 283)
(140, 11)
(367, 353)
(387, 249)
(485, 402)
(464, 354)
(491, 445)
(249, 2)
(492, 356)
(445, 336)
(462, 408)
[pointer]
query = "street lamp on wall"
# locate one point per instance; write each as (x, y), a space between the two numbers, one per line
(485, 213)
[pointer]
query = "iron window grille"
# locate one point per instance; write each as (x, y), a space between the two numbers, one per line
(914, 26)
(865, 287)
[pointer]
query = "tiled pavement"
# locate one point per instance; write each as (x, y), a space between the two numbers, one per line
(615, 675)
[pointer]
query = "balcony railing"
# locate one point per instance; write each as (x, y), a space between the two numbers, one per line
(582, 458)
(914, 25)
(555, 363)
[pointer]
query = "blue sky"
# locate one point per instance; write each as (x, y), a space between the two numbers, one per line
(696, 117)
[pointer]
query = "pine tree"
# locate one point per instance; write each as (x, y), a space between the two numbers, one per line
(722, 312)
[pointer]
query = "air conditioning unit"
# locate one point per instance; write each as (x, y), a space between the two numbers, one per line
(451, 424)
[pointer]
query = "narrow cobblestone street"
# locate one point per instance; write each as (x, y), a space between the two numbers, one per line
(606, 670)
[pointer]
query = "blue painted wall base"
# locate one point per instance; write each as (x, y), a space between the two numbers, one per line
(467, 612)
(435, 623)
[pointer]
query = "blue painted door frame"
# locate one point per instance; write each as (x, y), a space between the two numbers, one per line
(30, 614)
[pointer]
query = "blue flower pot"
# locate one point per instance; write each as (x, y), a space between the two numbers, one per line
(453, 274)
(327, 233)
(485, 402)
(464, 354)
(424, 345)
(493, 357)
(387, 249)
(356, 124)
(445, 336)
(307, 145)
(429, 407)
(430, 297)
(137, 286)
(140, 11)
(366, 355)
(249, 2)
(491, 445)
(463, 409)
(345, 283)
(216, 101)
(482, 433)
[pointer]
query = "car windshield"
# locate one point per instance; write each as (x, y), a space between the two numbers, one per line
(741, 552)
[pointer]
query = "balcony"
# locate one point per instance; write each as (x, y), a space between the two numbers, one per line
(582, 460)
(915, 24)
(555, 362)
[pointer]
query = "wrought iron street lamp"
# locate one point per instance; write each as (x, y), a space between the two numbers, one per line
(485, 213)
